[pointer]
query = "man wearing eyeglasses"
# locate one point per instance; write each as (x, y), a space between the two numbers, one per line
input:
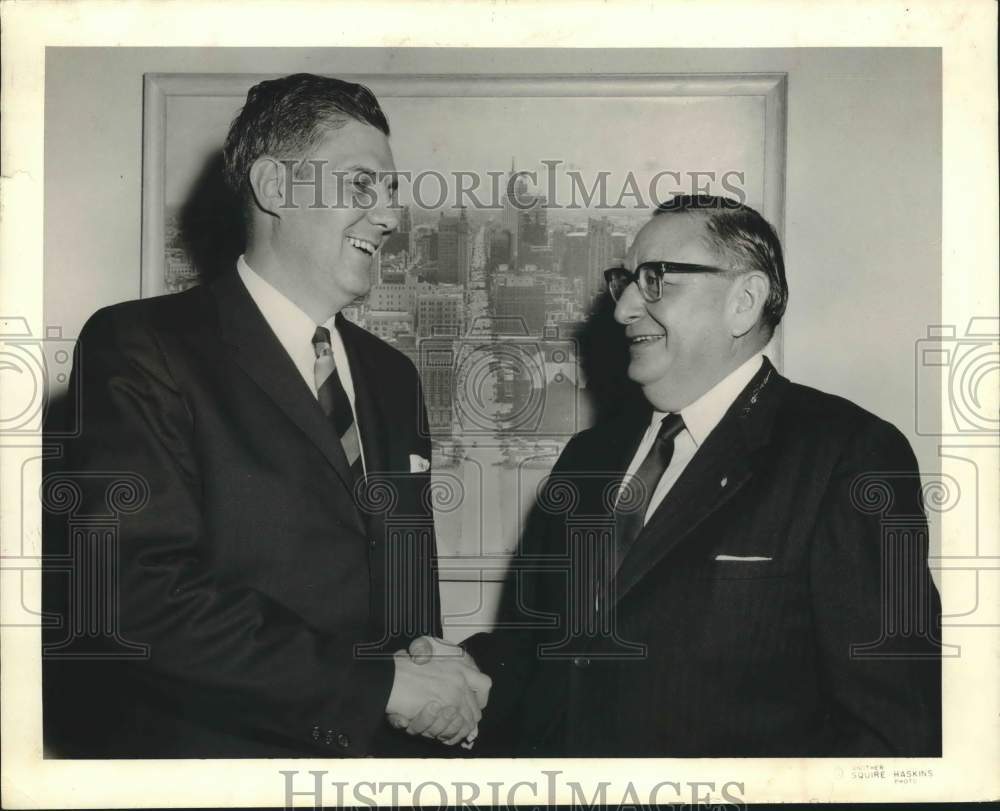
(758, 586)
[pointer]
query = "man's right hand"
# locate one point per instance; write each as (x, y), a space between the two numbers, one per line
(444, 687)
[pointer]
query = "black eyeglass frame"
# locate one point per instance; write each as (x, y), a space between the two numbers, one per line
(660, 268)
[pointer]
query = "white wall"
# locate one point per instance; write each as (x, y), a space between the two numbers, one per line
(862, 215)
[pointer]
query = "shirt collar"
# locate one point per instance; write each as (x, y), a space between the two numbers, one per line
(701, 417)
(293, 328)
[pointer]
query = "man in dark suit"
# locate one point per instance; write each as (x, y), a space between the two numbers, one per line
(277, 551)
(759, 586)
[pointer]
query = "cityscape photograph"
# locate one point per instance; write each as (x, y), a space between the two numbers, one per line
(486, 293)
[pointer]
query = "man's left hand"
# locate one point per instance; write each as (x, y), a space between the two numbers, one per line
(434, 721)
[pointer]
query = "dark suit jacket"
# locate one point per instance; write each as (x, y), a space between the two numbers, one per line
(826, 647)
(244, 561)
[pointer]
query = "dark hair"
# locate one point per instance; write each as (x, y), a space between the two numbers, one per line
(287, 117)
(739, 234)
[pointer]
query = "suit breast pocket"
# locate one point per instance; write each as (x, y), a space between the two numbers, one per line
(746, 540)
(748, 567)
(745, 556)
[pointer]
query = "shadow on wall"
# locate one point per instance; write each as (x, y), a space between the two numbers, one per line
(211, 223)
(603, 356)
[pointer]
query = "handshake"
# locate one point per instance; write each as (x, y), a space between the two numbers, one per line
(438, 692)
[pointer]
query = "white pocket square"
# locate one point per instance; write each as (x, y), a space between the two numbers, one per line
(742, 558)
(418, 464)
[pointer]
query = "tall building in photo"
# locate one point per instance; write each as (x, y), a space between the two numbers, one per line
(560, 301)
(574, 261)
(399, 241)
(454, 254)
(425, 244)
(533, 222)
(464, 249)
(514, 189)
(499, 248)
(436, 365)
(558, 241)
(599, 252)
(375, 269)
(519, 304)
(533, 234)
(397, 297)
(405, 220)
(619, 246)
(439, 325)
(394, 244)
(440, 312)
(498, 251)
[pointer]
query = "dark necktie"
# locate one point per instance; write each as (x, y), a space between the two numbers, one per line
(630, 510)
(333, 400)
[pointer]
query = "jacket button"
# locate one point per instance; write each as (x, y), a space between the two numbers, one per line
(315, 733)
(581, 661)
(343, 741)
(328, 738)
(371, 542)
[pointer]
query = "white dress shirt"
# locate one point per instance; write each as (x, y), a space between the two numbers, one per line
(294, 330)
(700, 418)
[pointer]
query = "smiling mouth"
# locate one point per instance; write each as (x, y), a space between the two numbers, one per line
(638, 340)
(362, 245)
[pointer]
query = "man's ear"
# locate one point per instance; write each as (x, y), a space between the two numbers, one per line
(747, 300)
(267, 180)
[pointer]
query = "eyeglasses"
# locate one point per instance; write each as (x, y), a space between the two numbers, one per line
(649, 277)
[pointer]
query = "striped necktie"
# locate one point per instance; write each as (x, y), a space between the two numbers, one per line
(333, 400)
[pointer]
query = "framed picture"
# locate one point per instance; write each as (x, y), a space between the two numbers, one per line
(516, 193)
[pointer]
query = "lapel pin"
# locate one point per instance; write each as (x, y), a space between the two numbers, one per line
(724, 482)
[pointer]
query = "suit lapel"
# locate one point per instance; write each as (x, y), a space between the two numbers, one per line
(261, 356)
(619, 444)
(722, 466)
(371, 421)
